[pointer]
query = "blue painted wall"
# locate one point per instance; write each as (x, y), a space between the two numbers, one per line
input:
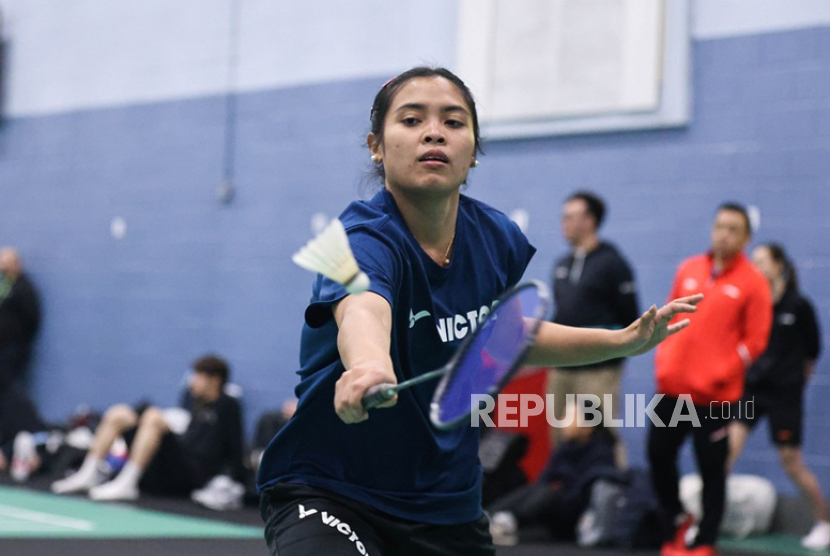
(760, 134)
(125, 317)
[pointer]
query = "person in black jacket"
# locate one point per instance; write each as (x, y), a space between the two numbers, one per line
(775, 383)
(19, 318)
(166, 455)
(594, 287)
(562, 491)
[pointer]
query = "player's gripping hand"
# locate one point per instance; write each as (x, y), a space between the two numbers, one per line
(352, 386)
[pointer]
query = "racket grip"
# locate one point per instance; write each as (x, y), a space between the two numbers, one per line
(378, 394)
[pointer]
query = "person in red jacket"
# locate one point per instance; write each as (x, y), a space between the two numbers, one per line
(706, 366)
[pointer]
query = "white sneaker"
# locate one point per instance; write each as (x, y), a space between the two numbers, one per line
(504, 529)
(114, 490)
(24, 457)
(79, 482)
(691, 534)
(818, 538)
(221, 493)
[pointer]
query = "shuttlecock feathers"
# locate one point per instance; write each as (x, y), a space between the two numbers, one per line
(330, 254)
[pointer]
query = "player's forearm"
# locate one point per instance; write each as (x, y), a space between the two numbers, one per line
(557, 345)
(365, 328)
(362, 344)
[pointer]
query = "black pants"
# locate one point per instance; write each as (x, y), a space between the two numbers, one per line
(172, 471)
(17, 413)
(14, 364)
(711, 445)
(305, 521)
(541, 504)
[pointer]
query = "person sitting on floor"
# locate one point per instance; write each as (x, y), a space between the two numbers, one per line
(562, 491)
(161, 461)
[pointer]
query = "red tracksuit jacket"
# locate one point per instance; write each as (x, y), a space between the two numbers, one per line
(708, 360)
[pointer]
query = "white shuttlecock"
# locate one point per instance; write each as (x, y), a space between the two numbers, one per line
(330, 254)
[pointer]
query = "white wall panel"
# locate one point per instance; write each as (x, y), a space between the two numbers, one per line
(726, 18)
(88, 53)
(79, 54)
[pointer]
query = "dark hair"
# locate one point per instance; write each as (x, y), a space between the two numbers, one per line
(383, 100)
(740, 209)
(596, 206)
(212, 365)
(779, 255)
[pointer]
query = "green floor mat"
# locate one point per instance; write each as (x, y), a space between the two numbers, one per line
(25, 513)
(783, 545)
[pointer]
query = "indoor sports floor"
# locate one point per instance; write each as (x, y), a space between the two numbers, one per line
(34, 522)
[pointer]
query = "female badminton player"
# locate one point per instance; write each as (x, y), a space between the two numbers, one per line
(336, 480)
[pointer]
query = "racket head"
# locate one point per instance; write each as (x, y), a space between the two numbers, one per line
(489, 357)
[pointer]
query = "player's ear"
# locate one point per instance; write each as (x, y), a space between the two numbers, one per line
(374, 147)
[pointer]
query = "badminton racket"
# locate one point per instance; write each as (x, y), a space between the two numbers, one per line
(485, 361)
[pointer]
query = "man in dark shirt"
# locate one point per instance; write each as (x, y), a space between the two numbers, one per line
(19, 318)
(162, 461)
(593, 286)
(19, 324)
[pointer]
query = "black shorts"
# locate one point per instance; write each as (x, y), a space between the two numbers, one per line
(784, 409)
(304, 521)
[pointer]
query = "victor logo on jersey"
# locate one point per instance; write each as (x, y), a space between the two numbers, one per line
(458, 326)
(415, 317)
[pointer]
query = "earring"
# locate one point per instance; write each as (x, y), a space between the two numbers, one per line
(374, 158)
(475, 163)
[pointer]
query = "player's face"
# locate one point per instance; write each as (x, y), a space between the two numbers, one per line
(763, 261)
(428, 141)
(576, 222)
(729, 234)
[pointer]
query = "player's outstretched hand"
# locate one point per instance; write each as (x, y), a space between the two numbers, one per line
(654, 326)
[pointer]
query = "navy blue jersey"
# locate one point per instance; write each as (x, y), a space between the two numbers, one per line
(397, 461)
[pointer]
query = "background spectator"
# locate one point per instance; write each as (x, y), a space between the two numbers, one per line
(775, 383)
(593, 286)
